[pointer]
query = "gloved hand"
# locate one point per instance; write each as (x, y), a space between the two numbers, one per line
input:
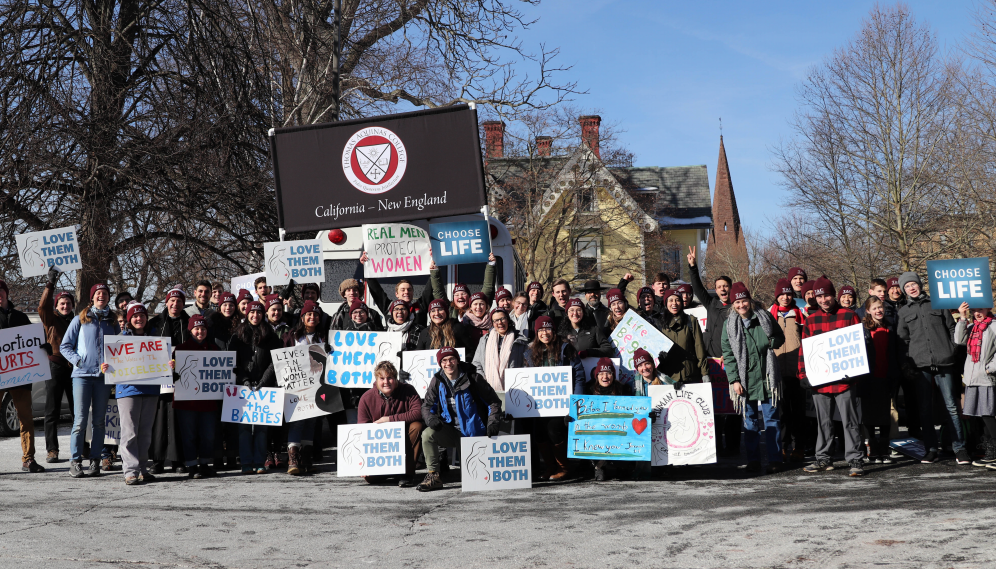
(508, 417)
(679, 386)
(584, 354)
(567, 420)
(493, 429)
(53, 275)
(404, 376)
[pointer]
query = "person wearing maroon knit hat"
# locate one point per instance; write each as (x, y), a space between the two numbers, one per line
(792, 408)
(847, 297)
(359, 318)
(808, 297)
(503, 299)
(686, 361)
(618, 306)
(55, 314)
(895, 292)
(399, 320)
(606, 383)
(588, 338)
(796, 278)
(222, 322)
(458, 403)
(418, 307)
(646, 373)
(170, 323)
(750, 338)
(444, 330)
(830, 316)
(242, 301)
(460, 301)
(10, 317)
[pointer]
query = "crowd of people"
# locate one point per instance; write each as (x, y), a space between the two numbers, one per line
(911, 346)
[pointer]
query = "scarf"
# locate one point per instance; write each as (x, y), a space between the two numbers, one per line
(483, 323)
(496, 358)
(392, 327)
(975, 338)
(800, 318)
(738, 342)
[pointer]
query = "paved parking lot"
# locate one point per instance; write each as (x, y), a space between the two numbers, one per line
(901, 515)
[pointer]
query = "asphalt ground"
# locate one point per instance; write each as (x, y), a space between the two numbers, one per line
(900, 515)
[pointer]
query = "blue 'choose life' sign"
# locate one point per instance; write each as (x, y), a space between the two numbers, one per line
(955, 281)
(460, 242)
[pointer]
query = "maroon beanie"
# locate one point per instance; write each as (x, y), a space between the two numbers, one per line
(502, 293)
(255, 305)
(894, 281)
(535, 286)
(847, 289)
(806, 287)
(460, 287)
(243, 295)
(739, 292)
(439, 303)
(543, 323)
(93, 289)
(446, 352)
(783, 286)
(605, 364)
(195, 321)
(823, 287)
(479, 296)
(136, 308)
(614, 295)
(357, 304)
(309, 306)
(226, 297)
(395, 304)
(62, 294)
(796, 272)
(668, 293)
(683, 288)
(171, 293)
(575, 302)
(271, 300)
(640, 356)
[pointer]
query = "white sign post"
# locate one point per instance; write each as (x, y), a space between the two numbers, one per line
(355, 355)
(421, 365)
(632, 334)
(371, 449)
(684, 430)
(203, 375)
(495, 463)
(22, 359)
(247, 282)
(141, 360)
(538, 391)
(396, 250)
(298, 260)
(43, 249)
(835, 355)
(300, 375)
(263, 406)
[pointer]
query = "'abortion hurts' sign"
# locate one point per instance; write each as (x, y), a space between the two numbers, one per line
(203, 374)
(395, 250)
(43, 249)
(298, 260)
(137, 359)
(538, 391)
(495, 463)
(371, 449)
(460, 242)
(22, 359)
(264, 406)
(955, 281)
(421, 365)
(607, 427)
(835, 355)
(355, 355)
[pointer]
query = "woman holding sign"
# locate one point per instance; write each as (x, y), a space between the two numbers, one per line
(83, 346)
(580, 330)
(605, 383)
(301, 434)
(686, 361)
(443, 331)
(252, 341)
(197, 421)
(975, 331)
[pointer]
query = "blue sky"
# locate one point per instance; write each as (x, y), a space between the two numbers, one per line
(665, 72)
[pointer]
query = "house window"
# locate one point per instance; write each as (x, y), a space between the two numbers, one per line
(586, 200)
(588, 252)
(671, 261)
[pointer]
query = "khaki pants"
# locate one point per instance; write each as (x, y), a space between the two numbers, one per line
(21, 396)
(448, 436)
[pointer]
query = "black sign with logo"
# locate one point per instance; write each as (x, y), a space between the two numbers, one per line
(384, 169)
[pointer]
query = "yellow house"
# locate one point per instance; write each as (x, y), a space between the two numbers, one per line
(575, 216)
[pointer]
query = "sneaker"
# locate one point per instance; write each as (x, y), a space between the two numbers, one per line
(753, 466)
(93, 469)
(857, 468)
(146, 477)
(929, 458)
(248, 470)
(206, 471)
(895, 455)
(132, 481)
(887, 459)
(432, 482)
(270, 461)
(32, 466)
(962, 458)
(820, 465)
(76, 469)
(106, 465)
(260, 470)
(991, 466)
(406, 482)
(53, 456)
(194, 473)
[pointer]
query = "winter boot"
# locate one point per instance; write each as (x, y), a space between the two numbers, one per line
(294, 460)
(564, 465)
(546, 452)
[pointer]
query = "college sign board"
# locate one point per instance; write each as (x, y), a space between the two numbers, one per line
(399, 167)
(954, 281)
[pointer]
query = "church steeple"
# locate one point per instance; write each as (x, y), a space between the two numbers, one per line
(727, 252)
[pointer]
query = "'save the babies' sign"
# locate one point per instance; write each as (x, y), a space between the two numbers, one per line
(263, 406)
(371, 449)
(538, 391)
(298, 260)
(396, 250)
(606, 427)
(835, 355)
(43, 249)
(495, 463)
(22, 359)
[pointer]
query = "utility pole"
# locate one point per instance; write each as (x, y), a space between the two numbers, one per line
(336, 53)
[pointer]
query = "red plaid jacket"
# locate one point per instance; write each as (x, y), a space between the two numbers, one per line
(817, 323)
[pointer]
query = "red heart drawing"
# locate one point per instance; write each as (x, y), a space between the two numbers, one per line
(639, 425)
(322, 396)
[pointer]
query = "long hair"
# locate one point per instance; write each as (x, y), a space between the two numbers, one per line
(85, 314)
(611, 322)
(253, 335)
(869, 320)
(299, 329)
(541, 351)
(442, 334)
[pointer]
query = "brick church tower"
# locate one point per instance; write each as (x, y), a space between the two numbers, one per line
(726, 253)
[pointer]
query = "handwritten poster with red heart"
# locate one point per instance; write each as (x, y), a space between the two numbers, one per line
(684, 428)
(606, 427)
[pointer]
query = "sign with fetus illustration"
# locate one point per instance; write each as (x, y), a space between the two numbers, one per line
(683, 429)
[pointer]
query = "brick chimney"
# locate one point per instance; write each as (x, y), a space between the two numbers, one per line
(494, 139)
(544, 145)
(589, 132)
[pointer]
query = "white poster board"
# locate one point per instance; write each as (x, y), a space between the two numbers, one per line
(52, 248)
(538, 391)
(247, 282)
(699, 313)
(299, 260)
(396, 250)
(355, 355)
(137, 360)
(632, 334)
(371, 449)
(264, 406)
(203, 374)
(421, 365)
(495, 463)
(684, 430)
(112, 425)
(835, 355)
(300, 376)
(22, 358)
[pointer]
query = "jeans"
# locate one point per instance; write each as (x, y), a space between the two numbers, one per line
(90, 393)
(945, 381)
(772, 430)
(60, 384)
(196, 435)
(300, 433)
(137, 414)
(252, 445)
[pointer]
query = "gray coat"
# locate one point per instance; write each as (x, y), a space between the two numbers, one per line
(983, 372)
(515, 359)
(927, 332)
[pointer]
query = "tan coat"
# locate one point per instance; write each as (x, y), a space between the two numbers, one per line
(788, 353)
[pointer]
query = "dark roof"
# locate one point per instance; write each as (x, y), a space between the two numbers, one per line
(682, 191)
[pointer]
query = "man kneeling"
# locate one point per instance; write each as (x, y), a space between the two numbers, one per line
(457, 404)
(389, 401)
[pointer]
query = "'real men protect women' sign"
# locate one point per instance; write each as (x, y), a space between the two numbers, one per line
(400, 167)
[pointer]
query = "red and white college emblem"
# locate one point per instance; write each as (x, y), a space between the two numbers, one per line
(374, 160)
